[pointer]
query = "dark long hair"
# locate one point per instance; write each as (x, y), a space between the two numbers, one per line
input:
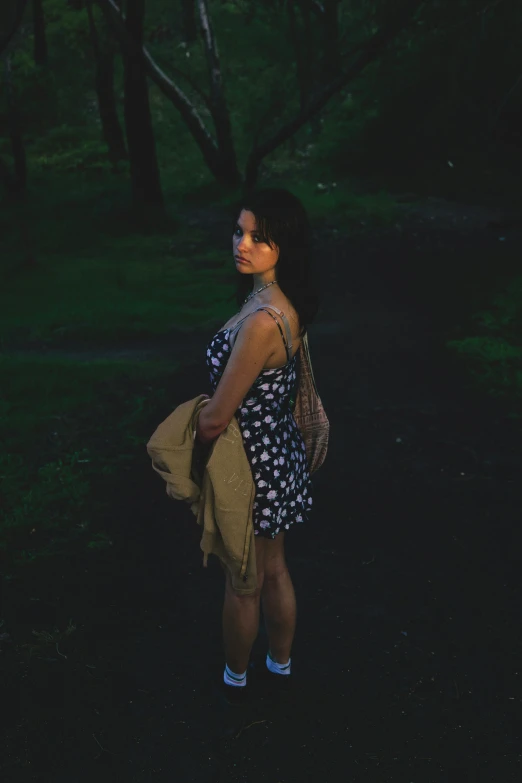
(281, 220)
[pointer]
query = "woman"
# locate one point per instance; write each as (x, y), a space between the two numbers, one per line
(253, 374)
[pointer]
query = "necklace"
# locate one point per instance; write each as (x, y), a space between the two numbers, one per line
(249, 297)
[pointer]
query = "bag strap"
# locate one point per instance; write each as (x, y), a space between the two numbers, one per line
(306, 355)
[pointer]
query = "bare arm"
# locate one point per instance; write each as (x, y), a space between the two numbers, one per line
(253, 346)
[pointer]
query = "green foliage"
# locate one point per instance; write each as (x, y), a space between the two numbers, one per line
(494, 358)
(506, 310)
(44, 508)
(68, 428)
(98, 279)
(90, 155)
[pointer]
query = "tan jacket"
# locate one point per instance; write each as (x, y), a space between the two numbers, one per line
(216, 481)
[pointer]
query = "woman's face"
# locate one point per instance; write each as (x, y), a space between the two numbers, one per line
(259, 257)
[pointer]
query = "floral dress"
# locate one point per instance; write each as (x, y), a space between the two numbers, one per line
(273, 443)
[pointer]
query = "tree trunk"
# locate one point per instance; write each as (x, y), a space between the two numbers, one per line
(302, 63)
(104, 83)
(15, 131)
(145, 180)
(19, 179)
(40, 40)
(207, 145)
(188, 20)
(228, 172)
(11, 21)
(112, 130)
(332, 55)
(303, 47)
(6, 177)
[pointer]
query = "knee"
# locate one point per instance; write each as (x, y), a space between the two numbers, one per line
(275, 571)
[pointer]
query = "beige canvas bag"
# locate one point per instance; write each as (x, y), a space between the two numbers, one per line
(309, 412)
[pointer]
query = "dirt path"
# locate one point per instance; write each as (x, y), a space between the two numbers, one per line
(408, 646)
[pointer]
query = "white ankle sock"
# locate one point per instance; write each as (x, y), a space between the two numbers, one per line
(278, 668)
(231, 678)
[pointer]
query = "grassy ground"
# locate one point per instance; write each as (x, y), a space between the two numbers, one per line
(70, 429)
(72, 422)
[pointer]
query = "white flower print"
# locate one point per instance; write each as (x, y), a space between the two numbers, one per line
(271, 438)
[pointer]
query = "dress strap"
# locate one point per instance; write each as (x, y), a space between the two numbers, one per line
(287, 342)
(286, 325)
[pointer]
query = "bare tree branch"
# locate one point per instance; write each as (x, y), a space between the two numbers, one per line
(505, 102)
(219, 108)
(366, 55)
(186, 108)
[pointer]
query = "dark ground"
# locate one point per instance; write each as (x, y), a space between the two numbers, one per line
(408, 645)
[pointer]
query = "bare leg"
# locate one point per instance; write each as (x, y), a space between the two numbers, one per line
(240, 627)
(280, 613)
